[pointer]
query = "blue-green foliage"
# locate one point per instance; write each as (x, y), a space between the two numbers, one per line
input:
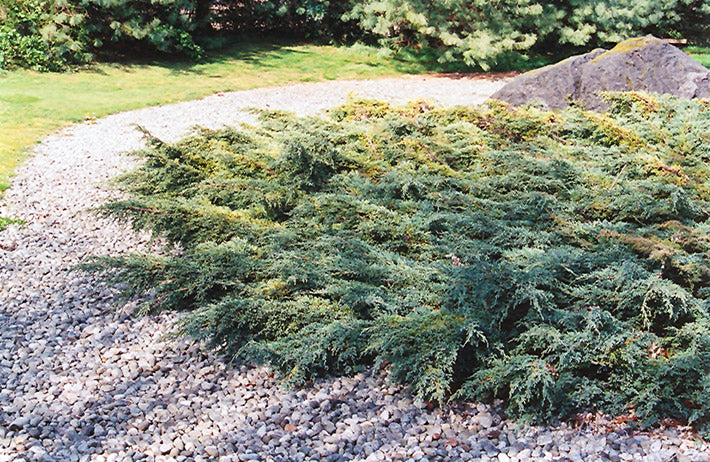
(557, 260)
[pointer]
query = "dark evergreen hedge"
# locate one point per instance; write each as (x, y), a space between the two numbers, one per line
(557, 260)
(53, 34)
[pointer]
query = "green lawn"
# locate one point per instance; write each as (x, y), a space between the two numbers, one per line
(33, 105)
(700, 54)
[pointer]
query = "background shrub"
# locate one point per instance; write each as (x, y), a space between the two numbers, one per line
(479, 33)
(51, 34)
(557, 260)
(312, 19)
(163, 25)
(38, 35)
(483, 32)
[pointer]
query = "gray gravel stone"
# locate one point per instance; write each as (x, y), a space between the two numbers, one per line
(84, 380)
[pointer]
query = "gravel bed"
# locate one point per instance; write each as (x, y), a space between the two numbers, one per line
(82, 379)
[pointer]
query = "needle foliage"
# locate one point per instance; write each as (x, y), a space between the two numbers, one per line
(559, 261)
(56, 34)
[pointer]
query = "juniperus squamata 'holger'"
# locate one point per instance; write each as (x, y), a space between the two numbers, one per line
(557, 260)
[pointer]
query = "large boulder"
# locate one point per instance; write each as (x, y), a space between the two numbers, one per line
(641, 64)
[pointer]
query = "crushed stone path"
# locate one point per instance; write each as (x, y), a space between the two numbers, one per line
(83, 380)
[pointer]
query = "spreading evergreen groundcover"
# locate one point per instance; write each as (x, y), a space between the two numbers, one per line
(557, 260)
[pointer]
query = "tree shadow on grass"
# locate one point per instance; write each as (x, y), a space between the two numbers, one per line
(287, 56)
(249, 51)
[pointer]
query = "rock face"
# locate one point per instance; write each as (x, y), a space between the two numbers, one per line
(641, 64)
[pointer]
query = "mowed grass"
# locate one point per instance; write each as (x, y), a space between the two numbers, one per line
(700, 54)
(33, 105)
